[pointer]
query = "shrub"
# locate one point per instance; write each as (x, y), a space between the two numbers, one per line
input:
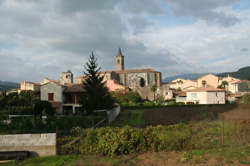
(41, 106)
(245, 99)
(126, 140)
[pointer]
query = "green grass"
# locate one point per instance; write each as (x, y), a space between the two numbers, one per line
(130, 118)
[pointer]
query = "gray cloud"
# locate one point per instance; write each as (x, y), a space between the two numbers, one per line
(205, 10)
(46, 37)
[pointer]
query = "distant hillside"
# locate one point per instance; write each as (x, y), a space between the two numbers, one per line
(243, 73)
(191, 76)
(5, 86)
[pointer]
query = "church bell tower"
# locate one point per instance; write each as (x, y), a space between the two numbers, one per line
(119, 60)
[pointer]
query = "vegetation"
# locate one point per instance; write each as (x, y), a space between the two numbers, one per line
(223, 85)
(242, 73)
(222, 156)
(245, 99)
(204, 82)
(96, 95)
(180, 137)
(154, 89)
(5, 86)
(23, 125)
(43, 108)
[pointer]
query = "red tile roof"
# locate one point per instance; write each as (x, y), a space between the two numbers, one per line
(207, 90)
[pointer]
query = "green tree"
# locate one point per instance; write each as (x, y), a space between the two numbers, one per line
(153, 89)
(96, 95)
(43, 106)
(224, 84)
(204, 82)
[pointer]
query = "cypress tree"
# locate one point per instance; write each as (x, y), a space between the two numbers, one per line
(96, 95)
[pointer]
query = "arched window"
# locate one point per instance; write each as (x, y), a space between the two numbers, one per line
(118, 61)
(142, 82)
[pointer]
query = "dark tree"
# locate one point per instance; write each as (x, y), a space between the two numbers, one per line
(96, 95)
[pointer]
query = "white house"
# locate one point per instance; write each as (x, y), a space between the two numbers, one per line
(206, 96)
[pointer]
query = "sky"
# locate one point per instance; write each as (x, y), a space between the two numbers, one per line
(42, 38)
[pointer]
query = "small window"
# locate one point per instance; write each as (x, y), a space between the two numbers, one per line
(216, 94)
(51, 96)
(118, 61)
(194, 95)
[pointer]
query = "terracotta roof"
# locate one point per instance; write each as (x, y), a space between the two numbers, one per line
(137, 70)
(32, 82)
(181, 94)
(55, 82)
(74, 88)
(207, 75)
(207, 90)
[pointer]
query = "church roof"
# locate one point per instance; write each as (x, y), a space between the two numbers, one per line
(74, 88)
(133, 71)
(119, 53)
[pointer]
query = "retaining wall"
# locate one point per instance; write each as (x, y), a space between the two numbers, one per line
(37, 144)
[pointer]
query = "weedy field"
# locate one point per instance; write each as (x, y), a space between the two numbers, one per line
(213, 135)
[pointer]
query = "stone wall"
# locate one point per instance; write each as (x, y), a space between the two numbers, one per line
(133, 80)
(37, 144)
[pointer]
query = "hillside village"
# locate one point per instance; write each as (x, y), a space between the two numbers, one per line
(208, 89)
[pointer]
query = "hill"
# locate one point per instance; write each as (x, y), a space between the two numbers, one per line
(191, 76)
(242, 73)
(5, 86)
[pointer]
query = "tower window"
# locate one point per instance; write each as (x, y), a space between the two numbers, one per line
(118, 61)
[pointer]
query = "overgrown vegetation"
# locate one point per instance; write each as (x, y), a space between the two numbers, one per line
(245, 99)
(180, 137)
(23, 125)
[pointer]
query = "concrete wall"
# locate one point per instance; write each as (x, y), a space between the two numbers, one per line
(200, 97)
(52, 88)
(38, 144)
(112, 114)
(206, 97)
(215, 98)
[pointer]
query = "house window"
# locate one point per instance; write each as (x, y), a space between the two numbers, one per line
(51, 96)
(194, 95)
(216, 94)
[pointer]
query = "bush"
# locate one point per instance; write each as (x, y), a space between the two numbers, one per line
(126, 140)
(41, 106)
(128, 98)
(245, 99)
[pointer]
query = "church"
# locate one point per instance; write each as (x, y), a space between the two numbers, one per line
(140, 80)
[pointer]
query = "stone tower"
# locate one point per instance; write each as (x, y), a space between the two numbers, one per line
(119, 60)
(67, 77)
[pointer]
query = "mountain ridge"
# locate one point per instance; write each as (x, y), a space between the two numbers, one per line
(243, 74)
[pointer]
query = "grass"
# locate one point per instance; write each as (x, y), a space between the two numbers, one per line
(131, 118)
(229, 156)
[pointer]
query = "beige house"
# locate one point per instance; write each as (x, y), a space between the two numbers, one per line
(210, 80)
(206, 96)
(27, 85)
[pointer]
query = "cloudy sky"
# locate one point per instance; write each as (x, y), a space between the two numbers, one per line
(42, 38)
